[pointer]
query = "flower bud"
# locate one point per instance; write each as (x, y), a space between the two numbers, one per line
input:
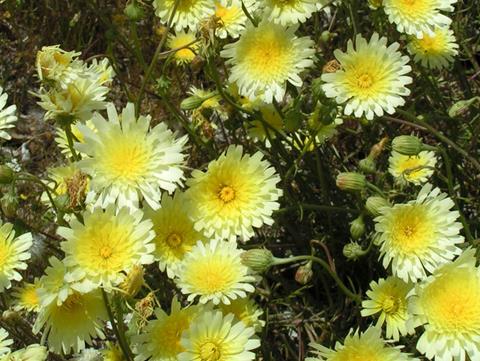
(304, 273)
(407, 145)
(351, 181)
(9, 205)
(259, 259)
(133, 11)
(6, 174)
(353, 251)
(357, 227)
(134, 281)
(191, 102)
(460, 108)
(375, 204)
(375, 4)
(367, 165)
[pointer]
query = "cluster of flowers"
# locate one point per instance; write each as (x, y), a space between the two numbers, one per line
(122, 207)
(124, 203)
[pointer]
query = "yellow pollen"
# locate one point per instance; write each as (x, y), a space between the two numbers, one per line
(174, 240)
(210, 352)
(412, 229)
(226, 194)
(390, 304)
(365, 81)
(73, 301)
(105, 252)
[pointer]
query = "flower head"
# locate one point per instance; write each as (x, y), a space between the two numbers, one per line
(107, 245)
(415, 169)
(7, 115)
(180, 40)
(214, 337)
(371, 79)
(360, 346)
(418, 17)
(57, 65)
(189, 13)
(56, 284)
(74, 322)
(447, 304)
(77, 101)
(127, 161)
(160, 341)
(265, 58)
(229, 203)
(245, 310)
(30, 353)
(214, 272)
(14, 251)
(389, 298)
(175, 234)
(27, 296)
(435, 50)
(232, 19)
(289, 12)
(420, 235)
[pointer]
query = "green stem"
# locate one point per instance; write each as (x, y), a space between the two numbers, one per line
(27, 177)
(248, 15)
(121, 341)
(440, 136)
(451, 191)
(70, 137)
(374, 188)
(318, 207)
(355, 297)
(155, 58)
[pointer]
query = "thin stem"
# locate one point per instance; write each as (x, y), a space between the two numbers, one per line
(248, 15)
(318, 207)
(374, 188)
(155, 58)
(70, 137)
(27, 177)
(326, 267)
(441, 137)
(121, 341)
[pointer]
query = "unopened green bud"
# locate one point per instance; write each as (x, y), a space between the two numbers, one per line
(353, 251)
(326, 36)
(357, 227)
(6, 174)
(192, 102)
(460, 108)
(9, 205)
(351, 181)
(407, 145)
(367, 165)
(304, 273)
(133, 11)
(375, 4)
(258, 260)
(375, 204)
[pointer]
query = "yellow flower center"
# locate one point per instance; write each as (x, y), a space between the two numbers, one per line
(167, 333)
(210, 351)
(452, 302)
(227, 15)
(411, 229)
(415, 9)
(174, 240)
(390, 304)
(104, 247)
(105, 252)
(29, 296)
(185, 5)
(365, 81)
(212, 274)
(75, 95)
(226, 194)
(282, 3)
(269, 56)
(128, 161)
(432, 44)
(411, 169)
(73, 302)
